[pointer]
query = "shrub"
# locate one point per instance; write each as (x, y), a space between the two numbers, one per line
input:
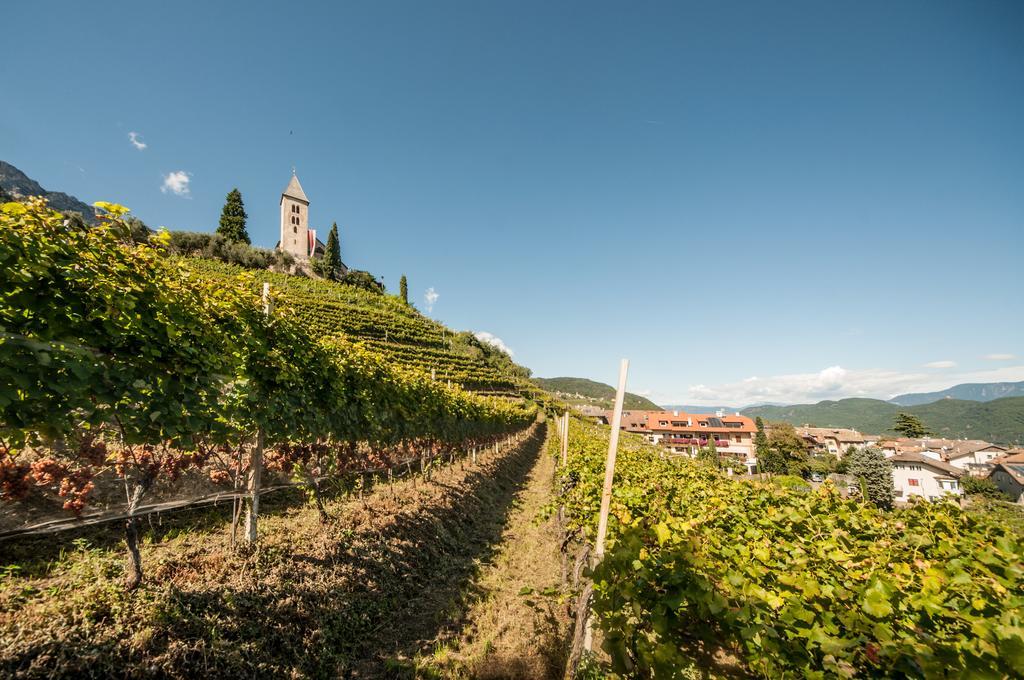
(361, 279)
(982, 486)
(217, 246)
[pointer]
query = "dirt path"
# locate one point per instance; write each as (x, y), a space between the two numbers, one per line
(517, 625)
(367, 595)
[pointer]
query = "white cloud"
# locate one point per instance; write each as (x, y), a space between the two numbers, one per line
(134, 138)
(430, 297)
(941, 364)
(494, 340)
(1000, 357)
(177, 183)
(836, 382)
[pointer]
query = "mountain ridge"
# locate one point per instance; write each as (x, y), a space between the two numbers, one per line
(980, 392)
(1000, 420)
(16, 184)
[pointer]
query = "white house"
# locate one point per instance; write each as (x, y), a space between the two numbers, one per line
(917, 474)
(974, 456)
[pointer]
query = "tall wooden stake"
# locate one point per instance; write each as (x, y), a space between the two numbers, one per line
(565, 438)
(255, 480)
(609, 476)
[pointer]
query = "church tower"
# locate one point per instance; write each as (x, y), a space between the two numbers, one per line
(295, 220)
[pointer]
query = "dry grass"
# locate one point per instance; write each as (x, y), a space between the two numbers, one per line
(378, 586)
(518, 625)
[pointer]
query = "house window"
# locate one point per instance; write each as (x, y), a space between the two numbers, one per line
(295, 230)
(738, 438)
(914, 482)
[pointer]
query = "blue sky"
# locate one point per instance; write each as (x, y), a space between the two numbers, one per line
(751, 201)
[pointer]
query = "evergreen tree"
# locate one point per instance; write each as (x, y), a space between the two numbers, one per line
(760, 439)
(232, 218)
(403, 288)
(874, 472)
(910, 426)
(332, 254)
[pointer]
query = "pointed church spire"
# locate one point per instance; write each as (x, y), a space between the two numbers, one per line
(294, 189)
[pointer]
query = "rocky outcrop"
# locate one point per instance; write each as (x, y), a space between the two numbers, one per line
(16, 184)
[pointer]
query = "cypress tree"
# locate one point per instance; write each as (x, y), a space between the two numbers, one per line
(232, 218)
(760, 439)
(332, 254)
(403, 288)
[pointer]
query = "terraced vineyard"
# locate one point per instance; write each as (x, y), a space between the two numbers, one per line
(385, 325)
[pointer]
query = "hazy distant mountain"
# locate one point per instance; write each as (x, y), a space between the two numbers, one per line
(17, 184)
(583, 391)
(966, 391)
(1000, 420)
(695, 408)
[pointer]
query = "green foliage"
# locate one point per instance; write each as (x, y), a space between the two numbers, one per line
(381, 323)
(760, 438)
(709, 453)
(321, 268)
(910, 425)
(143, 352)
(403, 289)
(869, 465)
(232, 219)
(332, 254)
(784, 451)
(218, 247)
(822, 464)
(361, 279)
(801, 583)
(982, 486)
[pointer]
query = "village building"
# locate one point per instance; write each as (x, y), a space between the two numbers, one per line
(834, 440)
(1008, 474)
(687, 433)
(974, 456)
(916, 474)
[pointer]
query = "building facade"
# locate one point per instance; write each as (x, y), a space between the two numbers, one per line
(297, 238)
(916, 474)
(687, 433)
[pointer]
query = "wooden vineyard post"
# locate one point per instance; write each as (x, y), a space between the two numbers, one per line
(252, 511)
(606, 492)
(565, 439)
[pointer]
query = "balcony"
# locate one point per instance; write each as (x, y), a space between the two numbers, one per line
(689, 441)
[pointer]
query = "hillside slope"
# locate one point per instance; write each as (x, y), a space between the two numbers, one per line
(386, 325)
(1000, 420)
(584, 391)
(964, 391)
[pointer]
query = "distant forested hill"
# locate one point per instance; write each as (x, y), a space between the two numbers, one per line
(1000, 420)
(966, 391)
(583, 391)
